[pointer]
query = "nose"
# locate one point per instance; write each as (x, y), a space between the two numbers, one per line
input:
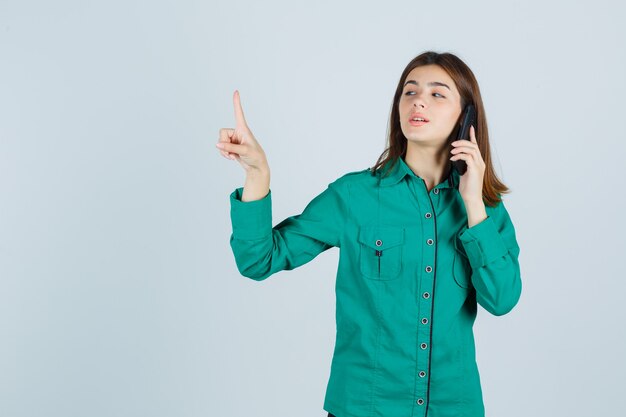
(418, 100)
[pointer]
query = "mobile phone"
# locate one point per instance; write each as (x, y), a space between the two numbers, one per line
(467, 119)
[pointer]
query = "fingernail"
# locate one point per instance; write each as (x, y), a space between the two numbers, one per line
(219, 145)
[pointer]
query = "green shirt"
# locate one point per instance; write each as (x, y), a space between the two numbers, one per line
(410, 276)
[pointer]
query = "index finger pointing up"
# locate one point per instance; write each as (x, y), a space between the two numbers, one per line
(239, 119)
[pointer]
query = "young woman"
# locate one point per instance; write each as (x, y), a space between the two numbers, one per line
(420, 247)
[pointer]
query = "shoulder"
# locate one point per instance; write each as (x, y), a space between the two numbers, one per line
(353, 177)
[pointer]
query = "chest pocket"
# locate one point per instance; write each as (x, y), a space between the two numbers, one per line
(461, 268)
(381, 248)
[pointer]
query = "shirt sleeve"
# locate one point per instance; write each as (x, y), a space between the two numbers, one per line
(261, 250)
(492, 251)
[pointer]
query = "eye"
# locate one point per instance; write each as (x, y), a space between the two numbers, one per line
(409, 93)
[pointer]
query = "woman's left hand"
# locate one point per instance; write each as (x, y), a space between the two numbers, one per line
(471, 185)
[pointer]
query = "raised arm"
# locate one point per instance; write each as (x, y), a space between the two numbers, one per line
(259, 249)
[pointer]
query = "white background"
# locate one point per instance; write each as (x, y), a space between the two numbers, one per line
(119, 293)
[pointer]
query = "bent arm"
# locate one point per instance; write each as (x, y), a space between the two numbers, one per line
(261, 250)
(493, 252)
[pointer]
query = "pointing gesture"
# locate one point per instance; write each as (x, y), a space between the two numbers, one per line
(240, 120)
(239, 143)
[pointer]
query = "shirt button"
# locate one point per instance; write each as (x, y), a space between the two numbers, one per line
(379, 242)
(426, 294)
(430, 241)
(428, 215)
(422, 374)
(420, 401)
(423, 345)
(429, 268)
(436, 191)
(424, 320)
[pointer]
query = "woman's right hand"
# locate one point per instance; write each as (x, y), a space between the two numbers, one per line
(240, 144)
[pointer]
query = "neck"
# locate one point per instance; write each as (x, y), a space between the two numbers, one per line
(429, 162)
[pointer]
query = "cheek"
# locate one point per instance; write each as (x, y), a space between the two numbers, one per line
(451, 116)
(403, 108)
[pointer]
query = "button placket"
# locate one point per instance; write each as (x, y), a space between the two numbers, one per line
(427, 287)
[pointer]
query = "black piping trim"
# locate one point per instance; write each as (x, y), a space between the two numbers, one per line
(432, 308)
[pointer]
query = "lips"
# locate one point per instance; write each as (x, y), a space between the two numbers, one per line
(414, 115)
(418, 123)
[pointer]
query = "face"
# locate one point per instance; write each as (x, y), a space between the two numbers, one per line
(429, 90)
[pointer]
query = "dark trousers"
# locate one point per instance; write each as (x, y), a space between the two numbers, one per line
(331, 415)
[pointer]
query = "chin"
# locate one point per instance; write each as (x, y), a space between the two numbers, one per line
(426, 140)
(419, 138)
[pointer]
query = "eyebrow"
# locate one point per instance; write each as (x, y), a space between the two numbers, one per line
(432, 83)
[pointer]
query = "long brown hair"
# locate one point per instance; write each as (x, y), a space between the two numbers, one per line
(467, 85)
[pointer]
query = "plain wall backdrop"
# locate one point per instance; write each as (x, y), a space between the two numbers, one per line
(119, 293)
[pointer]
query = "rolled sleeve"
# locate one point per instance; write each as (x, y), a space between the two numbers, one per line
(482, 243)
(251, 220)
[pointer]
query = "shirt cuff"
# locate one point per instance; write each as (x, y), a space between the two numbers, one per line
(482, 242)
(251, 220)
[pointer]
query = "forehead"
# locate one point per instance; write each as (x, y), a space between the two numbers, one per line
(429, 73)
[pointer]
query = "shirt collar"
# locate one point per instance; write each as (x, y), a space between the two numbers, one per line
(401, 169)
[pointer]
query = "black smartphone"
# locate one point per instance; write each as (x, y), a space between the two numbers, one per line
(467, 119)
